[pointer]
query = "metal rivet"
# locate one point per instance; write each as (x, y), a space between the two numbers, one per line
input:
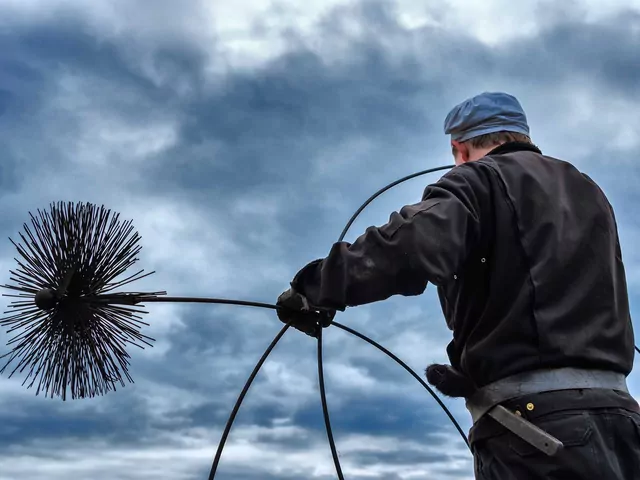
(483, 260)
(518, 413)
(530, 406)
(455, 277)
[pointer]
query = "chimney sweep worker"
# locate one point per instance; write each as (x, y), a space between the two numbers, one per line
(524, 251)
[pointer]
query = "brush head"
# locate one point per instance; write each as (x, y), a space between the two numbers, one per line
(72, 329)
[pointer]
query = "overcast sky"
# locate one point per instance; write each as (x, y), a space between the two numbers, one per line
(240, 136)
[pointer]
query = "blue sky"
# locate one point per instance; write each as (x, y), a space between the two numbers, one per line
(240, 137)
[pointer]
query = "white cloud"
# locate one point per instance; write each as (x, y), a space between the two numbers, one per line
(106, 138)
(491, 21)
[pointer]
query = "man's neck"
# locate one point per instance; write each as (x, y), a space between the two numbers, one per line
(512, 147)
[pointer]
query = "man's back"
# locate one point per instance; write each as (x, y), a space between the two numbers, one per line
(524, 251)
(545, 287)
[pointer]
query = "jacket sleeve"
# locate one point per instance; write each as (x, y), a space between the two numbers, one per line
(424, 242)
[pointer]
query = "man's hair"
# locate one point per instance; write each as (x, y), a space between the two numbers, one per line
(495, 139)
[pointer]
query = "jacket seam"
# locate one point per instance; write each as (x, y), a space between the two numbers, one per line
(516, 221)
(411, 218)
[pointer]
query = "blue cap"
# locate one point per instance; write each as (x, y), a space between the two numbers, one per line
(488, 112)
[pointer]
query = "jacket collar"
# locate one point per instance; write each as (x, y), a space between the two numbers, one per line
(510, 147)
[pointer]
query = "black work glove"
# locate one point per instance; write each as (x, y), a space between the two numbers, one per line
(306, 318)
(449, 381)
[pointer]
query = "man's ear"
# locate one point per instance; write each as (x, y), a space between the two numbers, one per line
(463, 150)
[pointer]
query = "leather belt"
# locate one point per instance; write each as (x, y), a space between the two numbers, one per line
(486, 400)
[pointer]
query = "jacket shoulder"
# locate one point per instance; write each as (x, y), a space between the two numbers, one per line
(461, 178)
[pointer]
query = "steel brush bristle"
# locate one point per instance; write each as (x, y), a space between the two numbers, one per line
(73, 329)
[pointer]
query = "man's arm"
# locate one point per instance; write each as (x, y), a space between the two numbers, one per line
(424, 242)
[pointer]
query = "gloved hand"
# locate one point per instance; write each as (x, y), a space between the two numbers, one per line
(449, 381)
(306, 318)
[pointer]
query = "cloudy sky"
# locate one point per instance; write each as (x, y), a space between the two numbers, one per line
(240, 136)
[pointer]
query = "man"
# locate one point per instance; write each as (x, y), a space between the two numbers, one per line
(524, 251)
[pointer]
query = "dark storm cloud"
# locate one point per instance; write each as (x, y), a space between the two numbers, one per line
(21, 94)
(386, 416)
(271, 124)
(605, 52)
(402, 457)
(10, 172)
(5, 101)
(123, 422)
(264, 132)
(70, 46)
(267, 126)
